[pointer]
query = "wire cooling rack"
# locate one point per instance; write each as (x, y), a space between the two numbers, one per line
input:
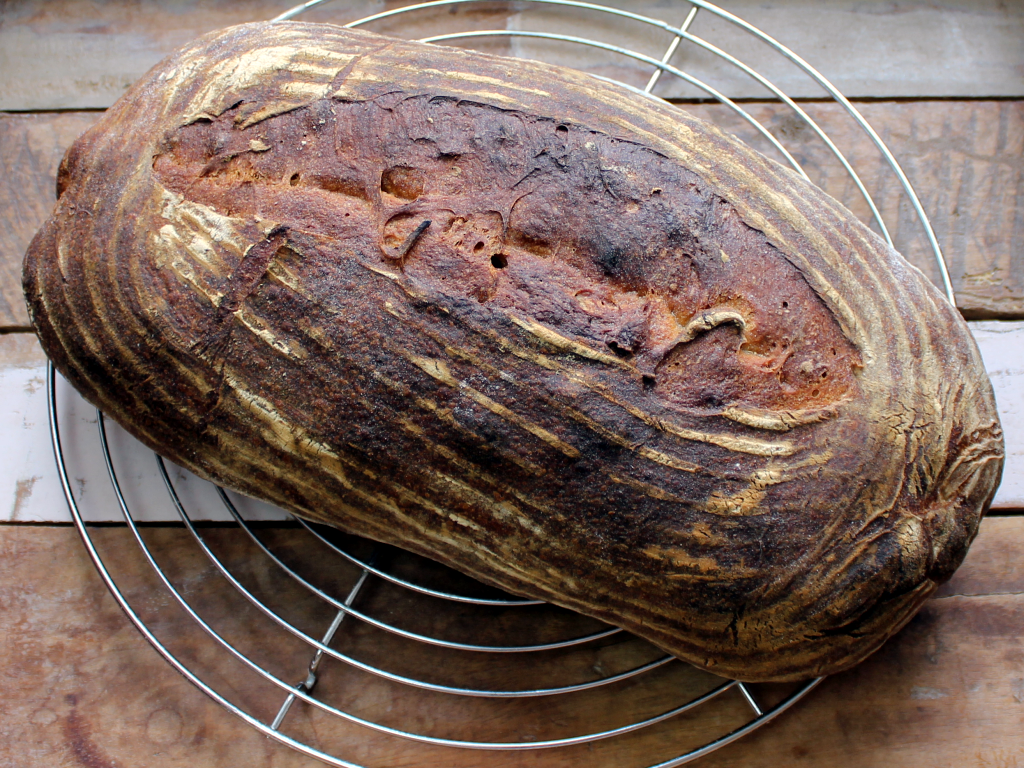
(319, 637)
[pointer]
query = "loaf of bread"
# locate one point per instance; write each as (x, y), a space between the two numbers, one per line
(568, 340)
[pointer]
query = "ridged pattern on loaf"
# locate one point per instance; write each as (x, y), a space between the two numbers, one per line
(571, 341)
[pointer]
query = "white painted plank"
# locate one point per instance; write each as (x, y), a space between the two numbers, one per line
(74, 54)
(1002, 347)
(30, 489)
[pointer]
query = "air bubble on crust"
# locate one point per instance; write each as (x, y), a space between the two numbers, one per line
(403, 182)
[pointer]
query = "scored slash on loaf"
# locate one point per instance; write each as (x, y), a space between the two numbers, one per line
(563, 338)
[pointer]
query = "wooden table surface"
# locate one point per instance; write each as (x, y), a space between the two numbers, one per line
(943, 83)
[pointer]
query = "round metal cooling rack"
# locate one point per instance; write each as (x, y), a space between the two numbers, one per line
(532, 654)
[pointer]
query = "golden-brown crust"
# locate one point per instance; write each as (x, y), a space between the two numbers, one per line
(572, 342)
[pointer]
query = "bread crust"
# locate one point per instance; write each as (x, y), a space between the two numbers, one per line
(570, 341)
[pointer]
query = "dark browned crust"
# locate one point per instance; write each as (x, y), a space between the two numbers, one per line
(570, 341)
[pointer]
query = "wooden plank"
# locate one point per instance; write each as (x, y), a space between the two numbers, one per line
(867, 49)
(78, 670)
(995, 563)
(82, 688)
(966, 160)
(31, 147)
(80, 54)
(30, 490)
(75, 54)
(947, 691)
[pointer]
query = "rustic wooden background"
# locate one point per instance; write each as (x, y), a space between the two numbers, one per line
(943, 83)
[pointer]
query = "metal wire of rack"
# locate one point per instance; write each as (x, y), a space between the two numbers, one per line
(339, 603)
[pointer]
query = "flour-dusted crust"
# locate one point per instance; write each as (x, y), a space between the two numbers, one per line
(568, 340)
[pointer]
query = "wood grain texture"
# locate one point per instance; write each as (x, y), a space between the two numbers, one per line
(970, 178)
(82, 688)
(950, 693)
(78, 54)
(717, 408)
(965, 161)
(31, 147)
(866, 49)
